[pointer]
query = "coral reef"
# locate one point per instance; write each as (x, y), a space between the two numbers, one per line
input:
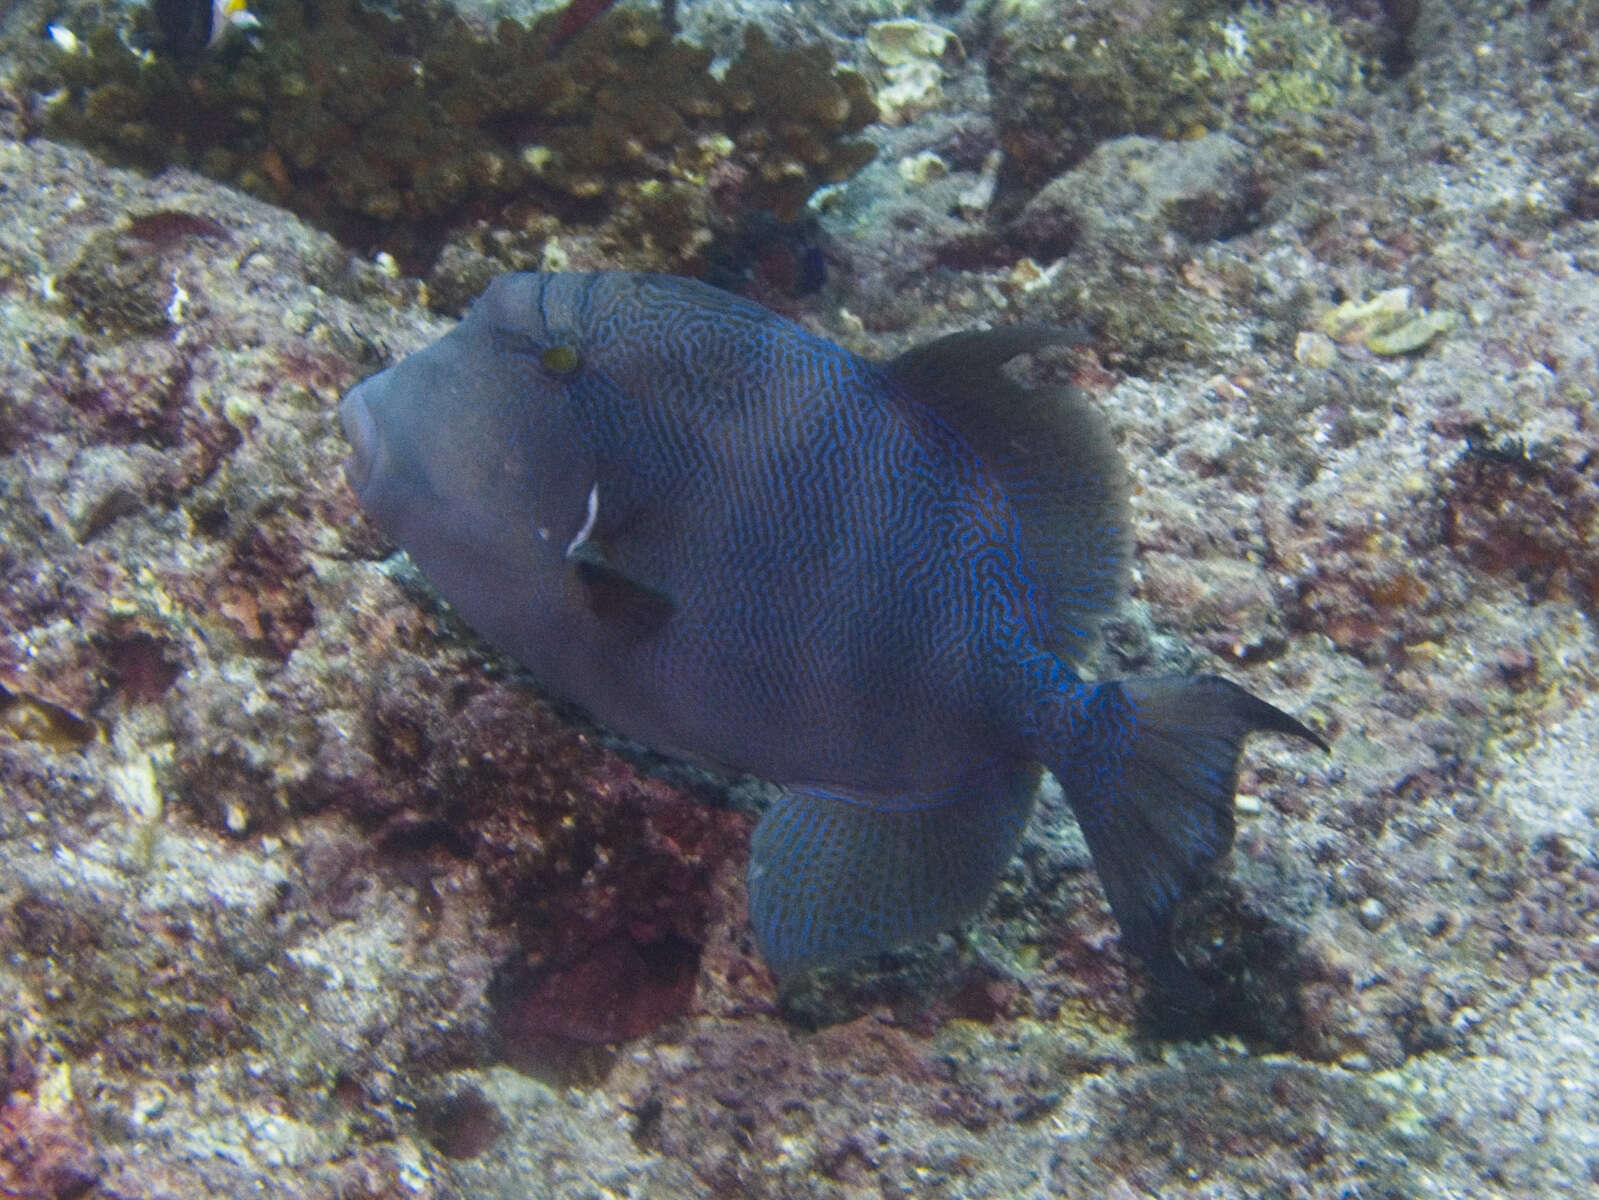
(393, 130)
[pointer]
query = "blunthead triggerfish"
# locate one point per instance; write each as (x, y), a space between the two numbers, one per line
(871, 583)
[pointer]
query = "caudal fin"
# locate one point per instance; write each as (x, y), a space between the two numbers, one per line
(1152, 786)
(836, 876)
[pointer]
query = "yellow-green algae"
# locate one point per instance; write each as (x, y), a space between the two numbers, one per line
(1176, 70)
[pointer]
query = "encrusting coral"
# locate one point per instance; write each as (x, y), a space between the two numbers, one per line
(393, 131)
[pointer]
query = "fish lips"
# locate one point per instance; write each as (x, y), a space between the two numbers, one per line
(361, 431)
(388, 481)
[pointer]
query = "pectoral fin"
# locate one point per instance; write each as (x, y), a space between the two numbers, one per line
(636, 609)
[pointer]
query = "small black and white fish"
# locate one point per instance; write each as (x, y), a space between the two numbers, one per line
(189, 27)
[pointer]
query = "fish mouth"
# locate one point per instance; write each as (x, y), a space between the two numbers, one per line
(361, 431)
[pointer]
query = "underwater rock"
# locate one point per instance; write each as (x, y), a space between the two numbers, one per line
(1067, 76)
(1128, 231)
(1146, 199)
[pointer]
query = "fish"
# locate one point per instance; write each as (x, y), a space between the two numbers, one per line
(871, 583)
(188, 28)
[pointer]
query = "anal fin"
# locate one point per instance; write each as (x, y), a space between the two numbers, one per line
(836, 876)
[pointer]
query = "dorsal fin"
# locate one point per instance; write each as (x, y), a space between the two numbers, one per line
(1052, 453)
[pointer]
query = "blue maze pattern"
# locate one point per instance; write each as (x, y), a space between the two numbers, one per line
(855, 537)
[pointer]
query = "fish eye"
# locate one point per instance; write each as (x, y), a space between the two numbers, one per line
(562, 358)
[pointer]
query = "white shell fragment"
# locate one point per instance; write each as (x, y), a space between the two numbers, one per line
(895, 43)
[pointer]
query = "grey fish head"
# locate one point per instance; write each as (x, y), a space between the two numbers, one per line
(467, 454)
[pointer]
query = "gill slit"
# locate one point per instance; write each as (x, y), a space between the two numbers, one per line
(588, 521)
